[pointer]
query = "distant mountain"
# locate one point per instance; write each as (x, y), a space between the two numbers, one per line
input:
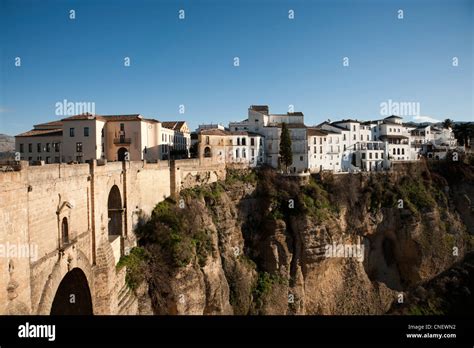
(7, 145)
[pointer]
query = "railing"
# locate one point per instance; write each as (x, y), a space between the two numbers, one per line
(122, 140)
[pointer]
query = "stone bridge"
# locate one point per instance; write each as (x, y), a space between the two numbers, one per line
(63, 228)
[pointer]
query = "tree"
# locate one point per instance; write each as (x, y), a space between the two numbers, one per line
(286, 156)
(464, 132)
(447, 123)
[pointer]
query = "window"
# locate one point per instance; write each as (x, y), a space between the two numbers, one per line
(21, 148)
(376, 155)
(79, 159)
(48, 160)
(363, 155)
(30, 147)
(56, 147)
(102, 132)
(102, 147)
(362, 137)
(354, 128)
(390, 129)
(314, 141)
(243, 142)
(368, 137)
(301, 158)
(237, 153)
(398, 151)
(403, 151)
(344, 147)
(86, 131)
(238, 141)
(56, 159)
(370, 155)
(207, 140)
(122, 127)
(48, 147)
(253, 152)
(394, 151)
(38, 147)
(30, 158)
(344, 137)
(71, 132)
(252, 142)
(79, 147)
(244, 154)
(320, 141)
(354, 137)
(39, 158)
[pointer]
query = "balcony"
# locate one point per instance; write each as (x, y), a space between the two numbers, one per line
(122, 141)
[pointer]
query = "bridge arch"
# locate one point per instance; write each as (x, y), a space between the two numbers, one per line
(73, 296)
(71, 260)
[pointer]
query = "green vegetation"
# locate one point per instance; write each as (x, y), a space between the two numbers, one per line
(432, 307)
(136, 264)
(175, 232)
(263, 286)
(315, 201)
(240, 175)
(415, 195)
(210, 192)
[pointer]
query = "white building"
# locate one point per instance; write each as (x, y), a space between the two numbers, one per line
(268, 125)
(237, 147)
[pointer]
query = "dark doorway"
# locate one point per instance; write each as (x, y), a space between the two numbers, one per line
(73, 296)
(121, 154)
(114, 206)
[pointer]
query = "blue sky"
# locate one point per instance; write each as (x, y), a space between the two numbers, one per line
(190, 61)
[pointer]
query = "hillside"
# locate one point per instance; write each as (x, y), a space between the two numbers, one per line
(257, 243)
(7, 143)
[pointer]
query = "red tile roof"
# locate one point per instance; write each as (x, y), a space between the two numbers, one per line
(41, 132)
(316, 132)
(48, 125)
(116, 118)
(260, 108)
(174, 125)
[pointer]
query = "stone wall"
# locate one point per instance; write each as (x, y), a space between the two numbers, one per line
(35, 201)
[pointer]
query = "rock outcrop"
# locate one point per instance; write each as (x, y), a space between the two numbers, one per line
(260, 243)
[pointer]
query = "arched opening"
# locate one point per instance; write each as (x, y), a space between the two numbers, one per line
(121, 154)
(114, 208)
(73, 296)
(207, 151)
(64, 231)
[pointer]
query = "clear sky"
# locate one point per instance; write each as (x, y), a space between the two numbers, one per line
(191, 61)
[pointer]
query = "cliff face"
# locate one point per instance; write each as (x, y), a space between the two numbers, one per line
(259, 243)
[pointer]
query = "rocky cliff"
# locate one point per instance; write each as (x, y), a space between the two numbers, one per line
(262, 243)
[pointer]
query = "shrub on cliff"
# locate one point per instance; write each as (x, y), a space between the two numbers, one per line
(175, 234)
